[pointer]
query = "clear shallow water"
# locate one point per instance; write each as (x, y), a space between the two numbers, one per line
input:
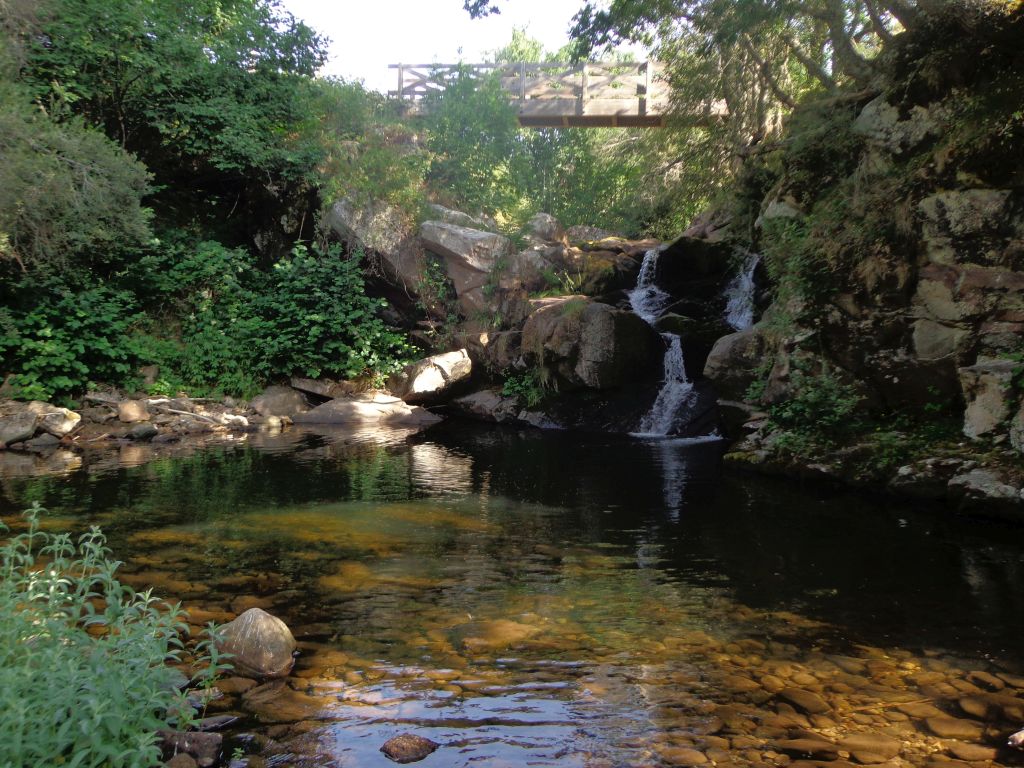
(546, 599)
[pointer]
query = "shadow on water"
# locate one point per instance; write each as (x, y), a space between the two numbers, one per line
(545, 598)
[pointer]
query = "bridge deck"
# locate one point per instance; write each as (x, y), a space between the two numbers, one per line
(630, 94)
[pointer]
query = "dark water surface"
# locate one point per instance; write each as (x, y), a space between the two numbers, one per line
(529, 598)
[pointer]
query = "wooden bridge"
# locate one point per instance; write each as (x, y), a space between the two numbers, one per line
(591, 95)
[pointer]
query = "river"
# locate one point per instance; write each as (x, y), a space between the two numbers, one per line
(538, 598)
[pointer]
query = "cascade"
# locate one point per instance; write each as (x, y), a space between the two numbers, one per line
(647, 300)
(739, 294)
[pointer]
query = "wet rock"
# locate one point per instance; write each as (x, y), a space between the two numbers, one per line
(279, 401)
(261, 644)
(368, 408)
(479, 636)
(41, 444)
(971, 752)
(142, 431)
(17, 427)
(684, 756)
(804, 700)
(131, 411)
(808, 747)
(408, 748)
(866, 747)
(955, 728)
(204, 748)
(429, 380)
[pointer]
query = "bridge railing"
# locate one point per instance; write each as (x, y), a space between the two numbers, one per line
(553, 94)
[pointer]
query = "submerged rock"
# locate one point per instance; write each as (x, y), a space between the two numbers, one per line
(261, 644)
(408, 748)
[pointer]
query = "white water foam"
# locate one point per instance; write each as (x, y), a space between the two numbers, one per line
(739, 294)
(647, 300)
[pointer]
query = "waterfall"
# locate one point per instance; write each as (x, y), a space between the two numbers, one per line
(739, 294)
(647, 300)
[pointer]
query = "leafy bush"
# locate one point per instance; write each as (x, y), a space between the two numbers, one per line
(66, 339)
(526, 387)
(822, 407)
(83, 679)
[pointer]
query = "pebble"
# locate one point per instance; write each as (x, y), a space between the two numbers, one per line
(955, 728)
(804, 700)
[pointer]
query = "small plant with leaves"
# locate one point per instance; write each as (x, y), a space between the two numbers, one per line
(84, 679)
(526, 387)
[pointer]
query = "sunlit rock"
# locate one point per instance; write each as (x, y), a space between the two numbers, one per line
(430, 379)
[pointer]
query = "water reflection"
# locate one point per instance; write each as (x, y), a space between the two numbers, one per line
(543, 599)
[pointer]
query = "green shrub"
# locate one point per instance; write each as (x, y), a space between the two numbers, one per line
(526, 387)
(821, 409)
(83, 675)
(67, 339)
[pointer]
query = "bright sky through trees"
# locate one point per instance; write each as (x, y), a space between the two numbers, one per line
(367, 36)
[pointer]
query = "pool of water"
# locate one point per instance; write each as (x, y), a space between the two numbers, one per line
(527, 598)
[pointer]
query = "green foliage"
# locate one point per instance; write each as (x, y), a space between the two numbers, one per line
(57, 340)
(69, 197)
(821, 408)
(83, 675)
(240, 327)
(526, 387)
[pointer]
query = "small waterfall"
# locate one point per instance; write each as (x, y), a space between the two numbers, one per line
(647, 300)
(676, 390)
(739, 294)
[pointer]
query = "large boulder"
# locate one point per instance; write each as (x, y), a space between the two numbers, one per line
(544, 228)
(585, 344)
(429, 380)
(279, 401)
(450, 216)
(470, 256)
(734, 362)
(368, 408)
(261, 645)
(384, 230)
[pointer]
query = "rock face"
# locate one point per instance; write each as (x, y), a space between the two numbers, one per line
(470, 256)
(585, 344)
(430, 380)
(384, 230)
(488, 405)
(261, 644)
(53, 419)
(368, 408)
(279, 401)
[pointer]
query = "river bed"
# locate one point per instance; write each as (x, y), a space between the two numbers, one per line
(528, 598)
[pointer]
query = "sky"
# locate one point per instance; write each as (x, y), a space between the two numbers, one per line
(367, 35)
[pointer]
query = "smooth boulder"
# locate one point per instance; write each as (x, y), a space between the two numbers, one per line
(17, 427)
(261, 644)
(430, 379)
